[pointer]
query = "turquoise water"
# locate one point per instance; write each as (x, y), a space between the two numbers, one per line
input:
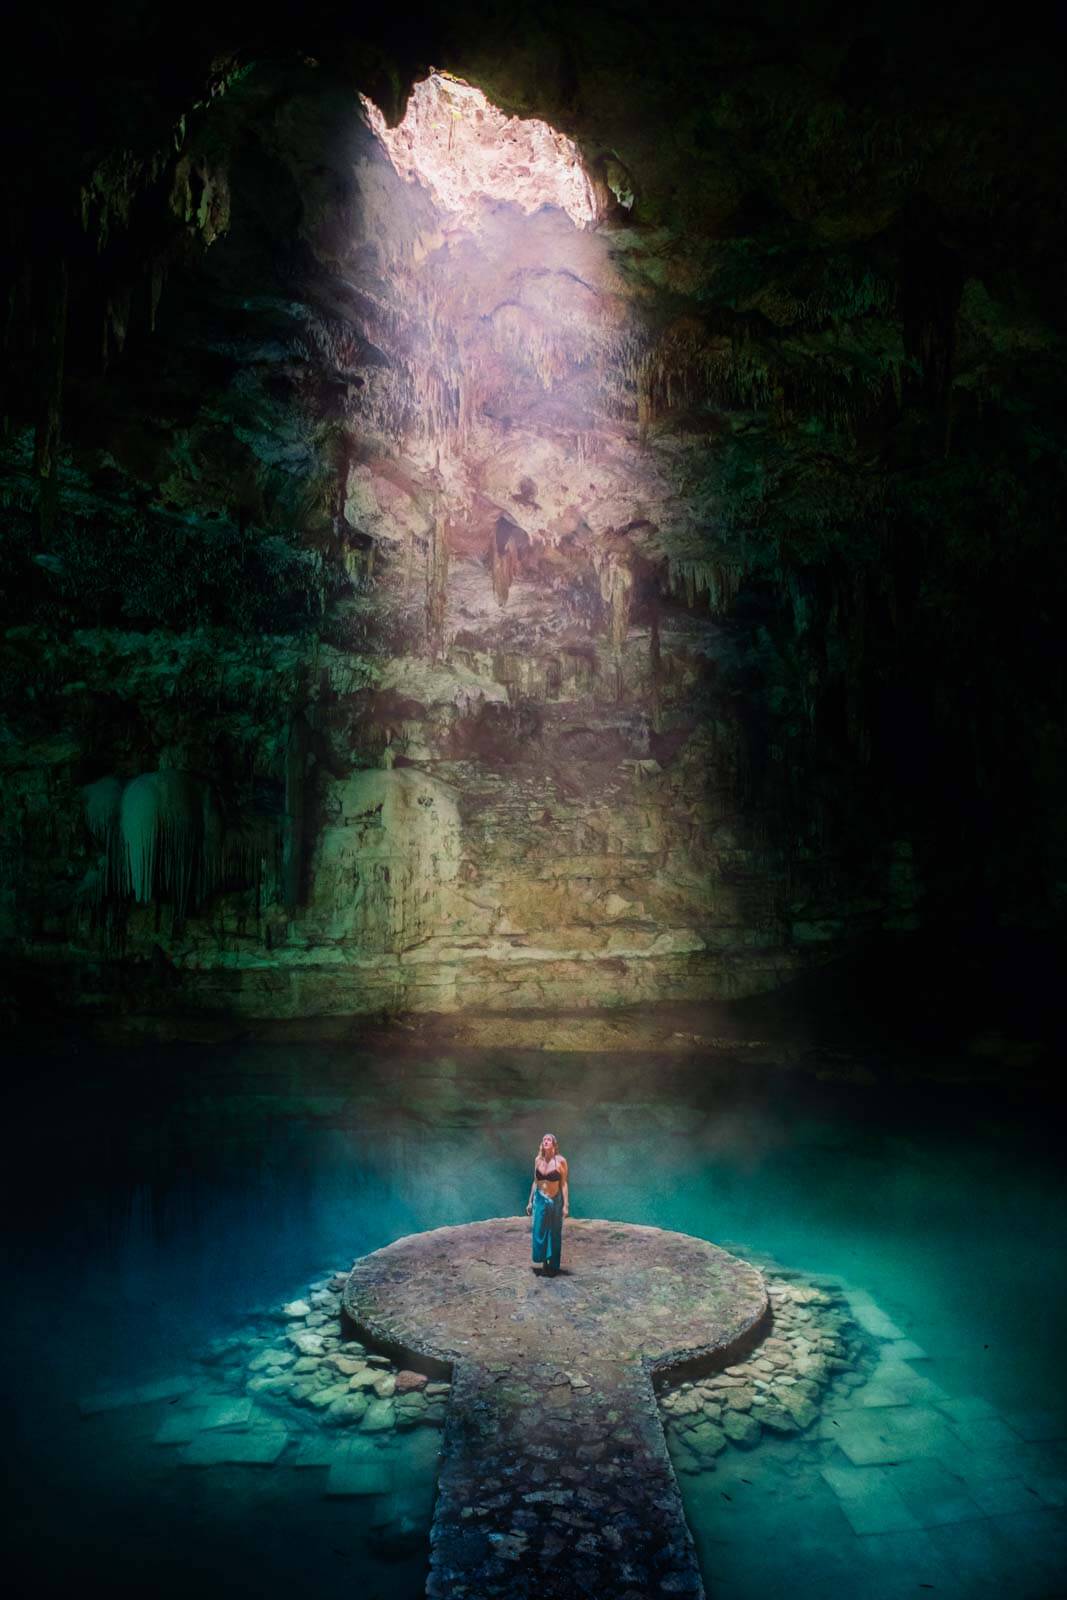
(162, 1198)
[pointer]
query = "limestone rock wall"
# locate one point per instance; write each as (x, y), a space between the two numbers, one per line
(383, 860)
(559, 594)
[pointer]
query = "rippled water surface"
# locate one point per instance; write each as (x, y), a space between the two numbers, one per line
(159, 1200)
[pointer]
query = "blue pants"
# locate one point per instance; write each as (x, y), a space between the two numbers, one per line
(547, 1230)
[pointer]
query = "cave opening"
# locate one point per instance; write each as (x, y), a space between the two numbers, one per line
(467, 151)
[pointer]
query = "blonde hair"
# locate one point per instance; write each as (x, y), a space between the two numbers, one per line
(555, 1141)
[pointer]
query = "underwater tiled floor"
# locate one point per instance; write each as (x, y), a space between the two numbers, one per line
(900, 1489)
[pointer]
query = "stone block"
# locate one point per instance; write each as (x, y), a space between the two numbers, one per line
(435, 1415)
(706, 1440)
(965, 1408)
(872, 1319)
(308, 1343)
(904, 1350)
(261, 1447)
(180, 1427)
(741, 1428)
(322, 1450)
(777, 1418)
(379, 1416)
(983, 1432)
(907, 1389)
(271, 1358)
(921, 1428)
(932, 1494)
(347, 1410)
(683, 1404)
(364, 1377)
(997, 1497)
(278, 1385)
(980, 1560)
(983, 1466)
(869, 1500)
(869, 1447)
(902, 1563)
(799, 1408)
(346, 1364)
(326, 1394)
(1037, 1424)
(234, 1412)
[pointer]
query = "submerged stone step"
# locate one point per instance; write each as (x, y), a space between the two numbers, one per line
(555, 1477)
(261, 1447)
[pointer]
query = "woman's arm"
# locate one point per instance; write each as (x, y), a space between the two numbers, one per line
(566, 1187)
(533, 1186)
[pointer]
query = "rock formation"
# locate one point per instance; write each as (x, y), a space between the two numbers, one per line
(579, 524)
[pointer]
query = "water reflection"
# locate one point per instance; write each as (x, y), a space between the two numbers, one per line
(165, 1196)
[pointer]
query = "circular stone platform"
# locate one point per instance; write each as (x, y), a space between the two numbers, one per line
(626, 1293)
(555, 1479)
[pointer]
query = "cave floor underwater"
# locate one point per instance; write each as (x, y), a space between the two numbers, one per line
(174, 1199)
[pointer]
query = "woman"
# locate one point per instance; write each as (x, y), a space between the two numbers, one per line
(549, 1202)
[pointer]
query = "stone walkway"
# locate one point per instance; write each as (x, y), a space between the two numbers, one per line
(825, 1460)
(555, 1478)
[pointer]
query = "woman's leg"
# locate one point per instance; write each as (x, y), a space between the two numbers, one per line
(555, 1235)
(539, 1237)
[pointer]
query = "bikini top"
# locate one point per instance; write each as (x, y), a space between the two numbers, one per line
(547, 1177)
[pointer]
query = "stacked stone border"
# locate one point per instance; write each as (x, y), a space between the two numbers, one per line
(807, 1349)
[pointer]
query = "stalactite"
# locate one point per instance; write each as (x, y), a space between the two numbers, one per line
(504, 568)
(577, 672)
(616, 589)
(409, 564)
(644, 410)
(293, 829)
(655, 667)
(161, 834)
(684, 365)
(171, 838)
(719, 581)
(436, 401)
(102, 802)
(52, 346)
(517, 333)
(436, 588)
